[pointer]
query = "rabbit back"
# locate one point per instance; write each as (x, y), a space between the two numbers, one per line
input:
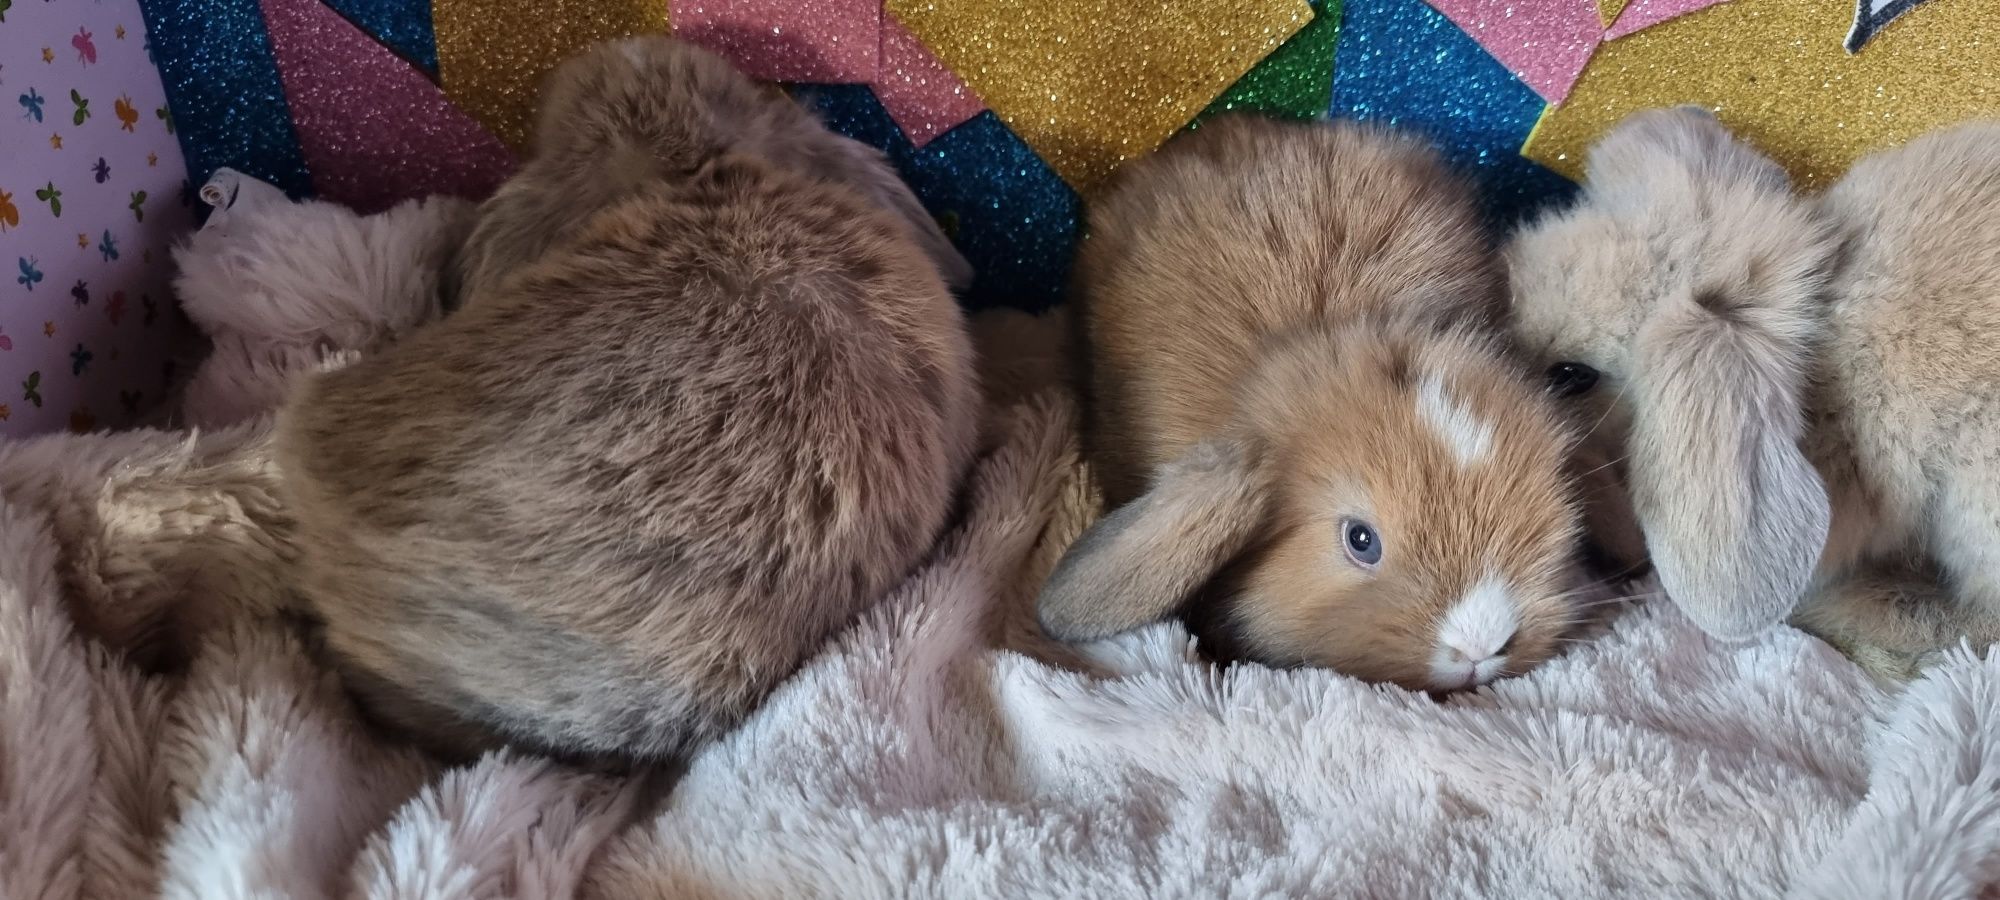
(1912, 372)
(608, 506)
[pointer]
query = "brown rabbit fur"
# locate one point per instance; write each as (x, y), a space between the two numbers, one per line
(608, 505)
(1290, 327)
(650, 109)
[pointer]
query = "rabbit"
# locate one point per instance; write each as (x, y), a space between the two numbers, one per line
(1310, 435)
(1799, 386)
(604, 507)
(617, 121)
(281, 287)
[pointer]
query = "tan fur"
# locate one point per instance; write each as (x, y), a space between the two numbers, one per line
(649, 109)
(1263, 303)
(1859, 336)
(605, 507)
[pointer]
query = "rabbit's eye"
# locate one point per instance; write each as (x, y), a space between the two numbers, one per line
(1568, 379)
(1364, 546)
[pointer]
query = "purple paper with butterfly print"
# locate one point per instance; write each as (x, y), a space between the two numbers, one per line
(92, 195)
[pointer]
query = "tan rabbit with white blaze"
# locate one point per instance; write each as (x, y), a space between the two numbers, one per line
(1304, 418)
(1806, 390)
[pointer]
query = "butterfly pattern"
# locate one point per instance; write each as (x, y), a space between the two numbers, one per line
(89, 169)
(32, 102)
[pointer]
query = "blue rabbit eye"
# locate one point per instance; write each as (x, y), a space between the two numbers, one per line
(1364, 546)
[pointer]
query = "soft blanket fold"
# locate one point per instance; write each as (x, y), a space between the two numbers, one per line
(162, 732)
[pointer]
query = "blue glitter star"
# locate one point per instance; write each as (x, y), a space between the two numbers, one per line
(1014, 220)
(1402, 63)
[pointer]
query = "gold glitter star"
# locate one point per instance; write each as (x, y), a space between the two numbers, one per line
(83, 240)
(152, 159)
(49, 328)
(55, 141)
(1608, 10)
(120, 32)
(493, 53)
(48, 56)
(1776, 73)
(1090, 83)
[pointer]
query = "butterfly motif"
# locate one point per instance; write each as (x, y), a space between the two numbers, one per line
(49, 194)
(152, 309)
(108, 246)
(10, 216)
(5, 5)
(32, 102)
(138, 206)
(115, 307)
(6, 343)
(82, 107)
(29, 273)
(130, 400)
(31, 389)
(164, 114)
(128, 116)
(79, 359)
(101, 171)
(86, 51)
(81, 292)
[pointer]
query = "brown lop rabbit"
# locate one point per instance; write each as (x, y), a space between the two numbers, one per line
(1302, 411)
(607, 506)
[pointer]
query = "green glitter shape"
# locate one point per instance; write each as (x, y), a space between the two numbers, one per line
(1295, 81)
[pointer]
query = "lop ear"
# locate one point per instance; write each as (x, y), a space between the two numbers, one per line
(1142, 561)
(1735, 515)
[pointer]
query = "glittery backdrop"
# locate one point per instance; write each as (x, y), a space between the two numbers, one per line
(1778, 73)
(222, 85)
(1089, 83)
(1403, 63)
(999, 111)
(1007, 211)
(374, 130)
(493, 53)
(401, 25)
(1296, 80)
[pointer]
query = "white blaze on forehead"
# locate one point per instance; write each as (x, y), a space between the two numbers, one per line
(1465, 434)
(1482, 621)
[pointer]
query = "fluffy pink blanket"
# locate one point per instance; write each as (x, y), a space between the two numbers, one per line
(162, 733)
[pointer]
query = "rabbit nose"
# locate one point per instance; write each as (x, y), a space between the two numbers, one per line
(1460, 654)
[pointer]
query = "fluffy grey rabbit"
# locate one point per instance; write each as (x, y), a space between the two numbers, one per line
(1804, 388)
(705, 404)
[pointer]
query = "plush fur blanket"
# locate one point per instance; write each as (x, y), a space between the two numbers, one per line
(163, 732)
